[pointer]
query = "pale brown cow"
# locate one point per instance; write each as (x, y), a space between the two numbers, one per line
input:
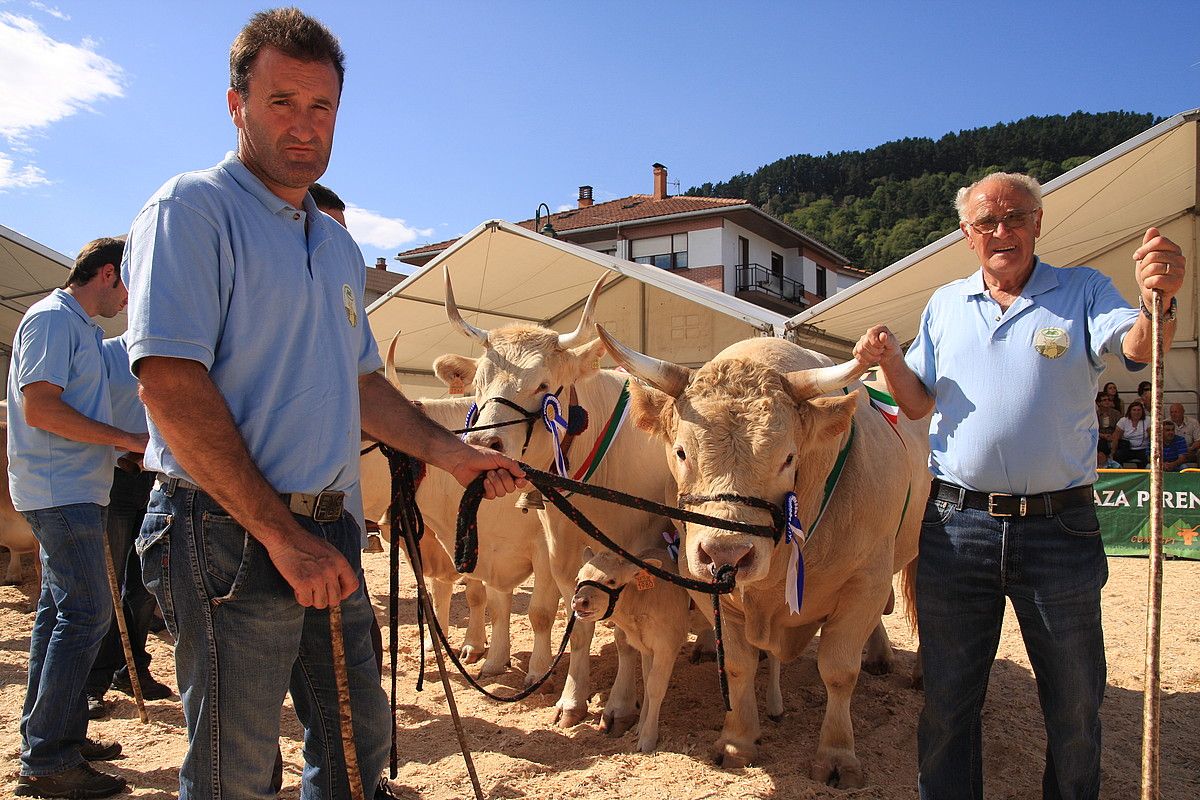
(753, 422)
(15, 533)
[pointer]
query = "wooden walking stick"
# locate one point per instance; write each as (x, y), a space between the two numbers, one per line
(1152, 691)
(119, 613)
(338, 644)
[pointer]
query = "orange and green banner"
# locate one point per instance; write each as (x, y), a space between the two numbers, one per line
(1123, 505)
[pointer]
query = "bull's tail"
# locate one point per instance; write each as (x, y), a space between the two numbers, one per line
(908, 586)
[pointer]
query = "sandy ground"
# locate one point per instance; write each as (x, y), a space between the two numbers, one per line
(519, 753)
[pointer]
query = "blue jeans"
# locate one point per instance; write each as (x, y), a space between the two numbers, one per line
(242, 641)
(1052, 569)
(73, 612)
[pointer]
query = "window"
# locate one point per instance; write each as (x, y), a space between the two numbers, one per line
(664, 252)
(821, 287)
(777, 265)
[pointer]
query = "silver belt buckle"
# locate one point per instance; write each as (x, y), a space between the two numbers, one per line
(992, 505)
(327, 506)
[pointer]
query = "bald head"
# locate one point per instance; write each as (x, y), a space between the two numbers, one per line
(1176, 412)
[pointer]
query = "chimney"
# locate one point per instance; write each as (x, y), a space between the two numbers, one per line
(585, 196)
(381, 263)
(660, 182)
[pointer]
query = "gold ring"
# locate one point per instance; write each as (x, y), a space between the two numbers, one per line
(1168, 270)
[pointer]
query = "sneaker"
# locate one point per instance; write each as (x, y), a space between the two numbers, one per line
(99, 750)
(83, 781)
(97, 706)
(151, 689)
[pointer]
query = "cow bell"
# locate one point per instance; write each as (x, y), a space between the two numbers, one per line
(528, 500)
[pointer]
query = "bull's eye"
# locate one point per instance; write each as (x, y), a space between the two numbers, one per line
(543, 388)
(680, 454)
(790, 459)
(611, 583)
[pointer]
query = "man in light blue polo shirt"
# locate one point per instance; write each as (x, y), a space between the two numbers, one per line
(60, 448)
(250, 339)
(1011, 512)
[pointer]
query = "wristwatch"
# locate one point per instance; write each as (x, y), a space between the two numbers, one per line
(1168, 316)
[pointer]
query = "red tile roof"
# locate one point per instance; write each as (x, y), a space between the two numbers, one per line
(626, 209)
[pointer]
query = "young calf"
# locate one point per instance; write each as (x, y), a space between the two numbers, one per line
(652, 613)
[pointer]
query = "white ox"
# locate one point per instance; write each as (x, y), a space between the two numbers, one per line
(511, 548)
(752, 422)
(522, 363)
(15, 533)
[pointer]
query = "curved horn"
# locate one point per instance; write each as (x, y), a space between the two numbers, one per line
(465, 327)
(389, 366)
(583, 332)
(808, 383)
(662, 375)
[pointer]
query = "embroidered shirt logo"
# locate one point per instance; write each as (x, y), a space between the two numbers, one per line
(351, 306)
(1051, 342)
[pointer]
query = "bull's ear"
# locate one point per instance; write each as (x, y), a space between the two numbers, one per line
(588, 555)
(587, 358)
(649, 409)
(454, 370)
(833, 415)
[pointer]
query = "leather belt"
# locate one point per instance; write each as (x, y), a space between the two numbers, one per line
(999, 504)
(322, 507)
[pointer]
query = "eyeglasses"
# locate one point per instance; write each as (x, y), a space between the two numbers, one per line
(1011, 221)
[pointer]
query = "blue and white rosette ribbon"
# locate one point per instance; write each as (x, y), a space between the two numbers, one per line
(552, 418)
(472, 413)
(671, 537)
(794, 535)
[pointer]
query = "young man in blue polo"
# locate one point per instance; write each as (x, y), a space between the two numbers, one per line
(60, 450)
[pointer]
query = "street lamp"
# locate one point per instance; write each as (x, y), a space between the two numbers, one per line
(547, 229)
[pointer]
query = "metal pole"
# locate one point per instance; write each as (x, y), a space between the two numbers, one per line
(337, 642)
(1152, 690)
(119, 612)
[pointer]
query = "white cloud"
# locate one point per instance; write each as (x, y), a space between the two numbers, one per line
(51, 10)
(43, 80)
(377, 230)
(12, 177)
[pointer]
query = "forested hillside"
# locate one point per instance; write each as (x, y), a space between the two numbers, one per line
(876, 206)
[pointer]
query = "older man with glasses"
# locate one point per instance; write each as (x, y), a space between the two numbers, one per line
(1010, 514)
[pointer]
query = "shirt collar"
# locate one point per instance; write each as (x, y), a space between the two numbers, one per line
(250, 182)
(68, 300)
(1042, 279)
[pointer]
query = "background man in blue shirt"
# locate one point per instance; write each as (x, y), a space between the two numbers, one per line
(258, 370)
(1011, 511)
(60, 449)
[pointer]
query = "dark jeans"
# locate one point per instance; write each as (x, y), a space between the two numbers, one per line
(1126, 453)
(1052, 569)
(126, 510)
(242, 642)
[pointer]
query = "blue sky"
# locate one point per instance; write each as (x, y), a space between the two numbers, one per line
(457, 112)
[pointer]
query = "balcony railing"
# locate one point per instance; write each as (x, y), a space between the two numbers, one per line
(756, 277)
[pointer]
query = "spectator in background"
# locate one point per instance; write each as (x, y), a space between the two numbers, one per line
(1187, 427)
(126, 509)
(1175, 452)
(1110, 389)
(1131, 439)
(1106, 415)
(1144, 396)
(1103, 458)
(328, 201)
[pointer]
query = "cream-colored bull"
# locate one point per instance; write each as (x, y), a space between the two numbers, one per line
(15, 533)
(522, 363)
(754, 422)
(511, 548)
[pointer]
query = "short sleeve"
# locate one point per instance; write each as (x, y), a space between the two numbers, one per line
(45, 351)
(1109, 319)
(921, 358)
(176, 271)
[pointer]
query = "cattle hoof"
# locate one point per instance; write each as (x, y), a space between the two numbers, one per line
(647, 744)
(471, 654)
(492, 670)
(918, 681)
(730, 756)
(848, 775)
(775, 717)
(616, 726)
(701, 654)
(877, 666)
(569, 717)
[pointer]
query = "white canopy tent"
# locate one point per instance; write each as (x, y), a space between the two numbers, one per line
(503, 273)
(1095, 215)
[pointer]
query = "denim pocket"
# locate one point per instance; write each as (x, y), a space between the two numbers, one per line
(225, 556)
(1079, 521)
(937, 512)
(153, 547)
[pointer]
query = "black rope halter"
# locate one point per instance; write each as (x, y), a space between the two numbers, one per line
(613, 595)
